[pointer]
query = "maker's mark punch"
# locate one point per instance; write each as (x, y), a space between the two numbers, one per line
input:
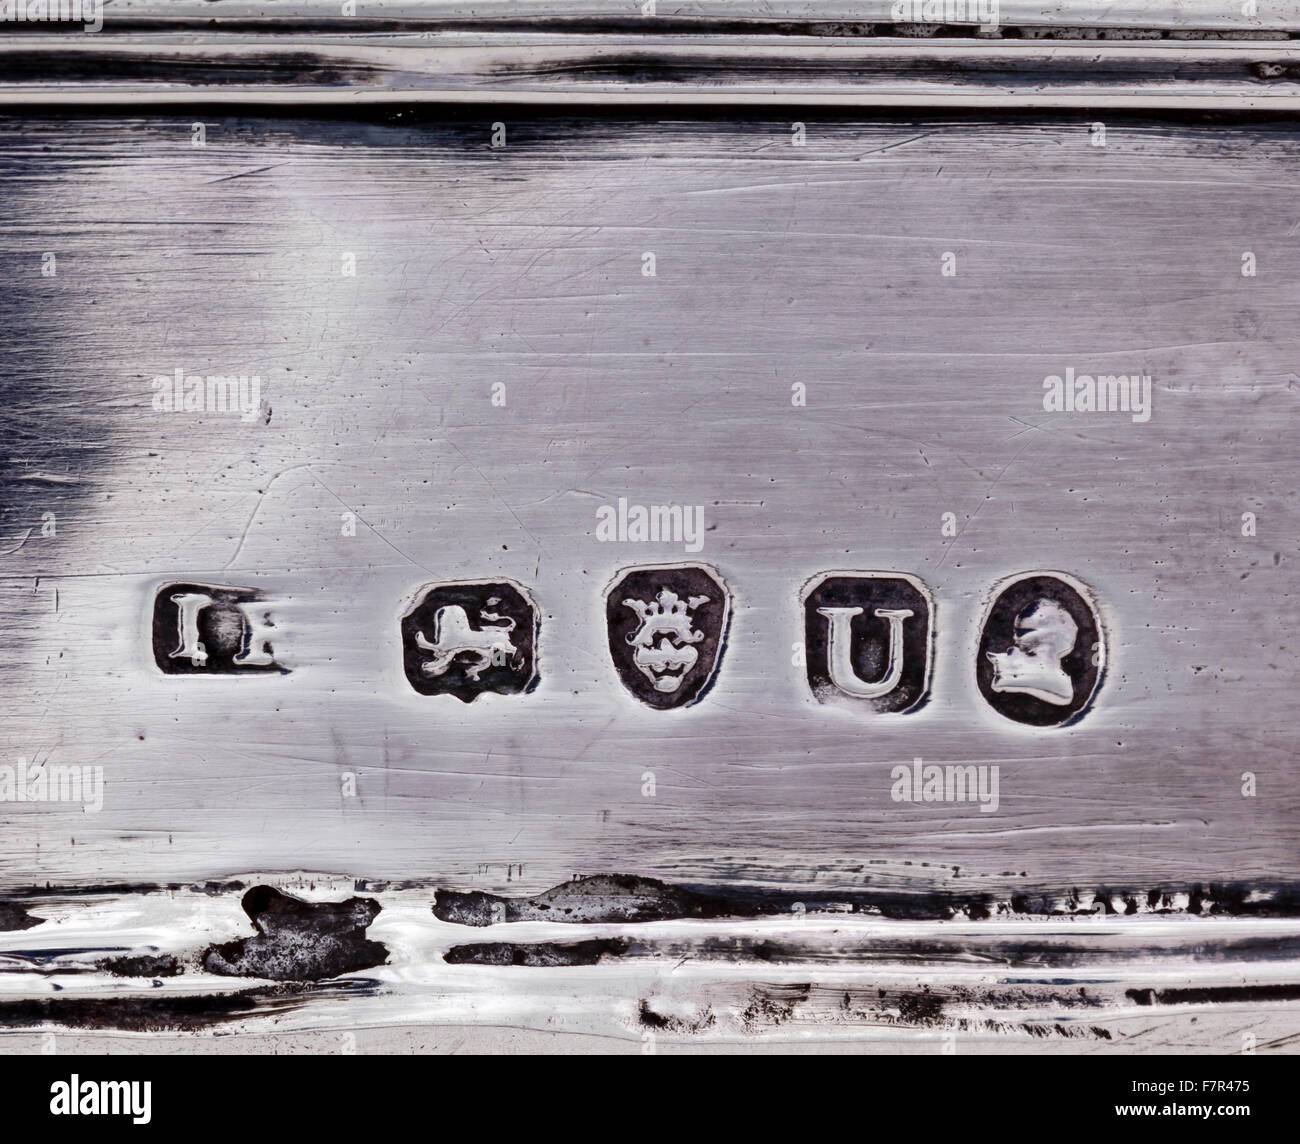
(206, 629)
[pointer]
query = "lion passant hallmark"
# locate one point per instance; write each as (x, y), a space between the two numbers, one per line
(470, 637)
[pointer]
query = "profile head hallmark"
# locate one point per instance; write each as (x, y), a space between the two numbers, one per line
(667, 630)
(1041, 650)
(471, 637)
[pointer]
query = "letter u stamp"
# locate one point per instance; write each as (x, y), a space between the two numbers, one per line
(868, 640)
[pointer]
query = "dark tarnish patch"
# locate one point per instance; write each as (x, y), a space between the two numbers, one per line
(598, 898)
(537, 955)
(1096, 1032)
(920, 1008)
(631, 898)
(773, 1005)
(166, 1014)
(15, 917)
(211, 889)
(767, 1006)
(143, 965)
(844, 948)
(1214, 994)
(128, 1014)
(213, 70)
(299, 940)
(670, 1024)
(669, 25)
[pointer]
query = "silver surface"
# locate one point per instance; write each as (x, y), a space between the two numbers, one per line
(775, 265)
(638, 66)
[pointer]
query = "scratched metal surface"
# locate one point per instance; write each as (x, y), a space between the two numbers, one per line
(774, 265)
(841, 17)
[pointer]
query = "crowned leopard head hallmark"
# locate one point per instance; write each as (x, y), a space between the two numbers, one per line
(666, 619)
(667, 629)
